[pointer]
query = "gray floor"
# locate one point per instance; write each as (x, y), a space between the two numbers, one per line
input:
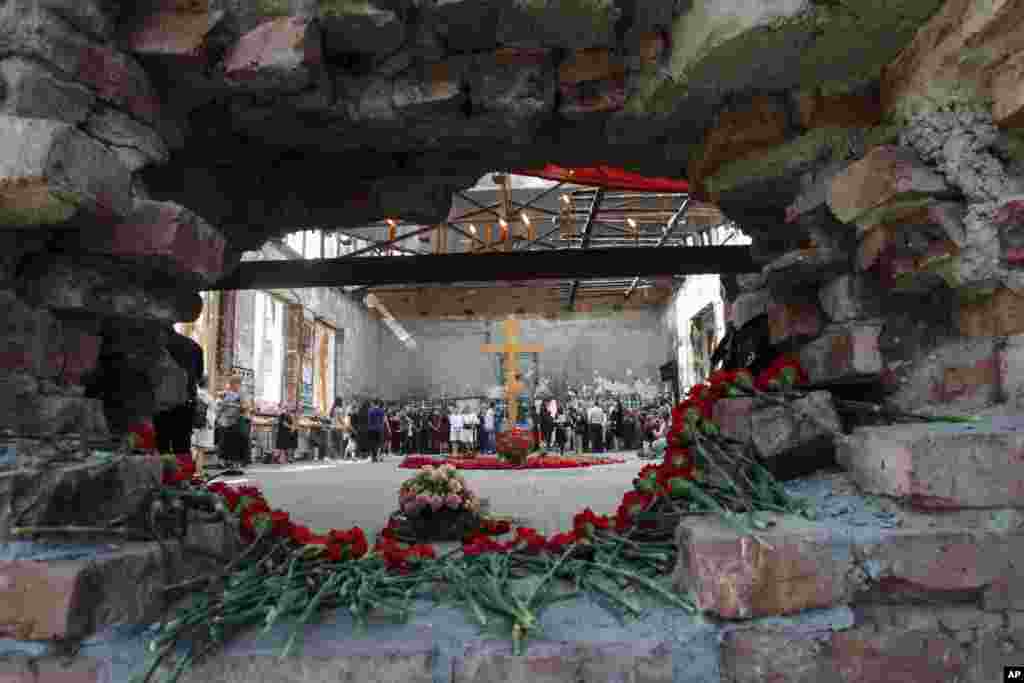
(340, 495)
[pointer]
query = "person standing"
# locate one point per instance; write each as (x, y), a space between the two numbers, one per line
(583, 429)
(561, 427)
(395, 422)
(615, 430)
(202, 434)
(375, 428)
(490, 423)
(229, 412)
(174, 425)
(455, 422)
(596, 420)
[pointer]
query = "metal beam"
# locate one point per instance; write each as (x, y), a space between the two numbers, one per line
(557, 264)
(669, 228)
(374, 244)
(588, 227)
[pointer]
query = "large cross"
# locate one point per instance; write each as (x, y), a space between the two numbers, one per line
(511, 348)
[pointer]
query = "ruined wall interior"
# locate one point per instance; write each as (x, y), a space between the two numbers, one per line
(616, 352)
(873, 151)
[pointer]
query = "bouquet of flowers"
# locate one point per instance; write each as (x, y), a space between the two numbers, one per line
(514, 444)
(435, 489)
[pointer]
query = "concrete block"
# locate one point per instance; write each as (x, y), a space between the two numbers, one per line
(736, 577)
(939, 466)
(1001, 314)
(80, 494)
(843, 352)
(783, 436)
(70, 599)
(809, 565)
(135, 143)
(955, 377)
(30, 339)
(52, 414)
(883, 176)
(104, 290)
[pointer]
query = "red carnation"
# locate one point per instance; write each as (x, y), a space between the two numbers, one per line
(585, 523)
(560, 542)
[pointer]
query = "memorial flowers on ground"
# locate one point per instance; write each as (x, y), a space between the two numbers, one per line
(504, 575)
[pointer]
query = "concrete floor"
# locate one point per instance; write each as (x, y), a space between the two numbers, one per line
(343, 494)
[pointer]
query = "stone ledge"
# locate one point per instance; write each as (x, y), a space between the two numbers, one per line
(890, 643)
(113, 584)
(940, 466)
(843, 352)
(86, 493)
(810, 565)
(21, 669)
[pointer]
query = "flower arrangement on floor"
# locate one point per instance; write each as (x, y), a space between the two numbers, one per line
(437, 505)
(514, 444)
(288, 572)
(536, 462)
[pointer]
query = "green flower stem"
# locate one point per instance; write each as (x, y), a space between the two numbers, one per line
(307, 614)
(650, 585)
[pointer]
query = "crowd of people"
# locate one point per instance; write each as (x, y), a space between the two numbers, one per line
(373, 429)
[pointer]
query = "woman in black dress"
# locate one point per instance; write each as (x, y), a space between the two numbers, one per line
(287, 438)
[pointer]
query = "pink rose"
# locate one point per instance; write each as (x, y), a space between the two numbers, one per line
(436, 503)
(453, 501)
(409, 507)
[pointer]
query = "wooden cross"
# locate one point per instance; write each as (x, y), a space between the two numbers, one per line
(511, 348)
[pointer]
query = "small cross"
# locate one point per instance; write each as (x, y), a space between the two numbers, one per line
(511, 348)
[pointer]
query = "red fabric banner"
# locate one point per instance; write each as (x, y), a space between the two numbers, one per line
(608, 177)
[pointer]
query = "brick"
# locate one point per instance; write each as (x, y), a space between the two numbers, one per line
(590, 98)
(735, 577)
(871, 246)
(1001, 314)
(749, 305)
(953, 376)
(80, 356)
(792, 320)
(168, 237)
(803, 268)
(52, 172)
(740, 133)
(281, 55)
(593, 64)
(173, 33)
(885, 643)
(847, 110)
(849, 297)
(75, 598)
(949, 558)
(940, 466)
(733, 417)
(365, 29)
(843, 352)
(77, 494)
(777, 432)
(884, 176)
(326, 656)
(122, 584)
